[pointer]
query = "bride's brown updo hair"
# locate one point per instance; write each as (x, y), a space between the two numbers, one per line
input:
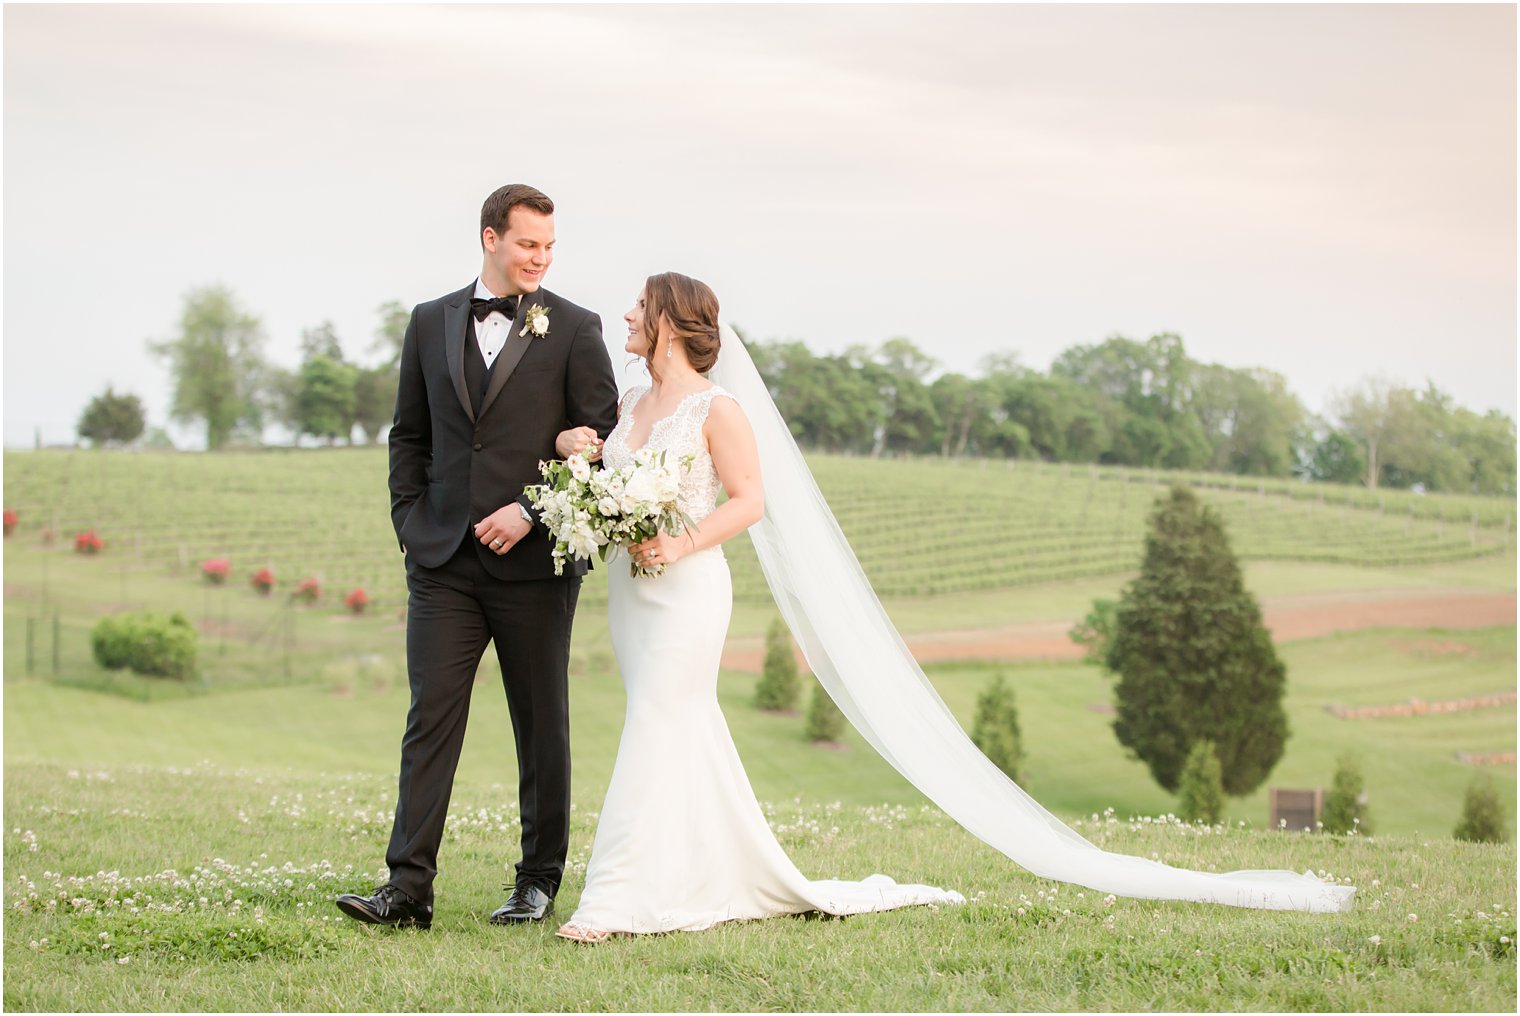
(692, 310)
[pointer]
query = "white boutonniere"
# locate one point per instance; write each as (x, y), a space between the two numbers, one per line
(538, 321)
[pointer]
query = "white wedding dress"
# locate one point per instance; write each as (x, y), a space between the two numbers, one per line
(682, 844)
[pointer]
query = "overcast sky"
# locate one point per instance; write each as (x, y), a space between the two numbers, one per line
(1323, 191)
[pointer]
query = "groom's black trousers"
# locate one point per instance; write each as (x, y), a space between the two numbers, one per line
(453, 612)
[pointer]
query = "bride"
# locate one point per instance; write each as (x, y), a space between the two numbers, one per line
(682, 843)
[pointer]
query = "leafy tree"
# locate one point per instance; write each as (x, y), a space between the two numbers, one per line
(325, 397)
(1200, 793)
(217, 362)
(391, 332)
(1338, 459)
(1483, 819)
(375, 387)
(112, 419)
(778, 686)
(1193, 658)
(824, 720)
(321, 341)
(1488, 444)
(995, 729)
(1345, 807)
(374, 400)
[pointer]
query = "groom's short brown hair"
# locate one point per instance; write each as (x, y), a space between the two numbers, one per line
(497, 210)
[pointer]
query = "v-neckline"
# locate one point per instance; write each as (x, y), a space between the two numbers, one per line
(654, 426)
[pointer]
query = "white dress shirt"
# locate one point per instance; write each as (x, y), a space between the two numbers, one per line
(493, 331)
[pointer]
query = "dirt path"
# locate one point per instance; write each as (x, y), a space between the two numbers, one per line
(1288, 617)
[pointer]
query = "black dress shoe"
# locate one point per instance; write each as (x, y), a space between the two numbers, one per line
(389, 906)
(528, 902)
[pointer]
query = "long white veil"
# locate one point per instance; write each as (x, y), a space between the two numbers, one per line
(859, 658)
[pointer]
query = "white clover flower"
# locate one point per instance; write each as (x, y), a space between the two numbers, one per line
(1376, 940)
(1413, 918)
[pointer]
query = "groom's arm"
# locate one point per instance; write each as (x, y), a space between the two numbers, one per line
(590, 389)
(411, 437)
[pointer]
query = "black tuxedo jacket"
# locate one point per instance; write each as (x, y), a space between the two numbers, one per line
(452, 466)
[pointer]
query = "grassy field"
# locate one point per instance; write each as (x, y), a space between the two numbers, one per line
(146, 887)
(266, 785)
(992, 525)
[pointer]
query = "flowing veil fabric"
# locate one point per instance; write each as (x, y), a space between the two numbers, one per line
(861, 660)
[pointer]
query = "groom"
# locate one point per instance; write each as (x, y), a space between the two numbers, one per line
(490, 375)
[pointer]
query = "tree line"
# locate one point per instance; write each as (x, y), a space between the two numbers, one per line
(1120, 401)
(1134, 403)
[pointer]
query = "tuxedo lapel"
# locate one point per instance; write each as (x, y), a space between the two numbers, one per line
(456, 330)
(516, 347)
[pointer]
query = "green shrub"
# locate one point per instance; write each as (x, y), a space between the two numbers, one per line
(1094, 632)
(824, 720)
(1345, 807)
(778, 686)
(1483, 818)
(149, 643)
(996, 727)
(1200, 789)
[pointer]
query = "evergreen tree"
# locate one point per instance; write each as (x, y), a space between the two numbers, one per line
(1193, 658)
(1483, 819)
(824, 720)
(1345, 807)
(1200, 791)
(995, 730)
(778, 686)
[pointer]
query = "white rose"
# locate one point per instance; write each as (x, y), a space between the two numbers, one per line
(644, 485)
(580, 468)
(614, 485)
(668, 486)
(643, 457)
(608, 506)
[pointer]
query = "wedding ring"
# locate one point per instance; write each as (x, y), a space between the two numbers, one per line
(496, 543)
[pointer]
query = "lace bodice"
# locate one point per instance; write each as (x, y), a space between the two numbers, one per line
(678, 434)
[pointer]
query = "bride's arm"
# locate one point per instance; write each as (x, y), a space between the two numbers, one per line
(731, 443)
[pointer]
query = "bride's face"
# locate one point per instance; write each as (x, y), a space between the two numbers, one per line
(636, 343)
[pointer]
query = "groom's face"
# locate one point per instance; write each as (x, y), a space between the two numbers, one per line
(523, 254)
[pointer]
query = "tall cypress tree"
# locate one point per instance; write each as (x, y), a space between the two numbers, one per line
(1194, 660)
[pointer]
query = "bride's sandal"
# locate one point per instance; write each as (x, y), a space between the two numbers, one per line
(583, 933)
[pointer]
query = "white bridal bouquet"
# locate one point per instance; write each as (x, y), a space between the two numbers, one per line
(596, 511)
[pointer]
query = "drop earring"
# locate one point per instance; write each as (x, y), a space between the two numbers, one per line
(670, 349)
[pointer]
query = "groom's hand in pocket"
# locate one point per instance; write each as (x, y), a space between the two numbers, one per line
(499, 530)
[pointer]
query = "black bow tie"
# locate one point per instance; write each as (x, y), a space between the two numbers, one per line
(482, 309)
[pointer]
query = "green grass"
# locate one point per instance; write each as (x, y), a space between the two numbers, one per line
(208, 887)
